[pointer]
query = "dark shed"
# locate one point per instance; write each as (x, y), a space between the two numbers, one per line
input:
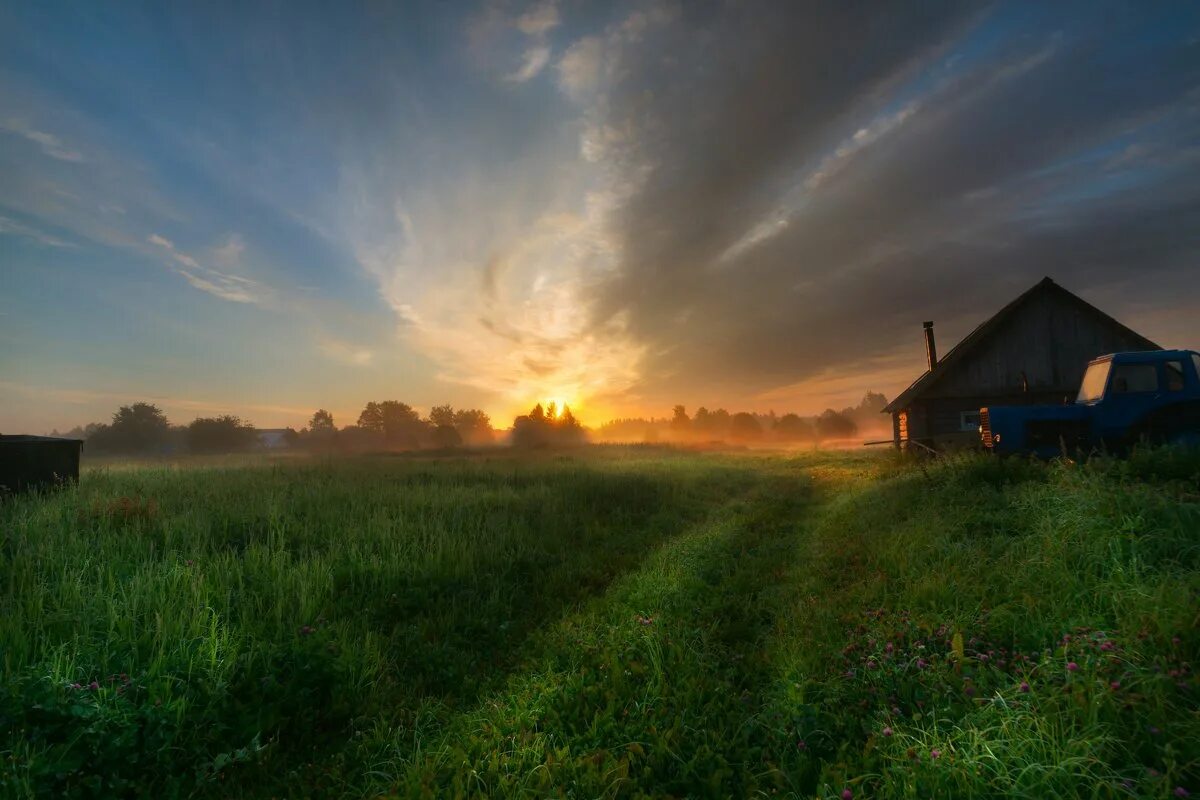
(1034, 350)
(31, 462)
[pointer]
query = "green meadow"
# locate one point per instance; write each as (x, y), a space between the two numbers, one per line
(607, 622)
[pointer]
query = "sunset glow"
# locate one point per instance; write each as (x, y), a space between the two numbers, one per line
(624, 206)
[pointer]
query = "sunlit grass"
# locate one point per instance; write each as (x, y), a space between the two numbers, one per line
(623, 621)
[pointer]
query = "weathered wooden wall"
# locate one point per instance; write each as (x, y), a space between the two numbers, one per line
(1050, 339)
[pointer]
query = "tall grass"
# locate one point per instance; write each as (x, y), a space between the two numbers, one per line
(616, 622)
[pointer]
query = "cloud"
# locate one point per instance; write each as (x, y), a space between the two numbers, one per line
(784, 210)
(534, 60)
(224, 285)
(579, 67)
(345, 352)
(50, 144)
(12, 227)
(539, 19)
(229, 253)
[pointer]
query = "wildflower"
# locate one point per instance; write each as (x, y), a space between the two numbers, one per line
(1115, 685)
(93, 685)
(1153, 731)
(887, 731)
(935, 754)
(801, 745)
(849, 795)
(189, 562)
(969, 690)
(1025, 687)
(305, 630)
(922, 663)
(76, 686)
(1072, 666)
(1179, 792)
(890, 648)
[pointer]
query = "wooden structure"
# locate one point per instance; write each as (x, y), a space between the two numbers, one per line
(1034, 350)
(35, 462)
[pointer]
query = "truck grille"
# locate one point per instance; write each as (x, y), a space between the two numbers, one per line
(985, 427)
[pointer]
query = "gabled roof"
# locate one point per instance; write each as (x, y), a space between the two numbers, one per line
(981, 333)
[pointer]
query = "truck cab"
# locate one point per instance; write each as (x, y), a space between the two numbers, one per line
(1124, 399)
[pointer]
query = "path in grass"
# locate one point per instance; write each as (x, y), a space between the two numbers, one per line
(660, 684)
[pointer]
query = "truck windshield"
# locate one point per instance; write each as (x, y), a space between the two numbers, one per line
(1094, 379)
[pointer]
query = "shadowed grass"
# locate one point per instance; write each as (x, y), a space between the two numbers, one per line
(617, 622)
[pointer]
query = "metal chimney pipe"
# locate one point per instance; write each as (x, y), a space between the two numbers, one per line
(930, 346)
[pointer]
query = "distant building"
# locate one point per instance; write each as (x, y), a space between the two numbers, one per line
(272, 438)
(1034, 350)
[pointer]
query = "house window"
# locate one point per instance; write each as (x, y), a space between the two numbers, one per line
(1174, 374)
(1128, 378)
(969, 421)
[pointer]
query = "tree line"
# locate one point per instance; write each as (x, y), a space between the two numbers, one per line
(719, 425)
(143, 429)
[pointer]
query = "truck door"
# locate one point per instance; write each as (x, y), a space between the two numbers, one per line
(1133, 390)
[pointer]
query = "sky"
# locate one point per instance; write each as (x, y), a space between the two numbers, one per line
(268, 208)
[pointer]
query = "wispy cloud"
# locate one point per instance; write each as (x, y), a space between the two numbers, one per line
(11, 226)
(50, 144)
(225, 285)
(534, 60)
(539, 19)
(346, 352)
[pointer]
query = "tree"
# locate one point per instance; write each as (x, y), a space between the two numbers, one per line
(401, 423)
(744, 426)
(442, 416)
(224, 434)
(538, 429)
(792, 428)
(135, 429)
(321, 422)
(446, 437)
(473, 425)
(398, 422)
(679, 421)
(835, 425)
(371, 418)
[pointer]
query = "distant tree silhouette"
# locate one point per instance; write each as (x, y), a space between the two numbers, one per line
(680, 423)
(474, 426)
(539, 429)
(371, 418)
(321, 422)
(446, 437)
(792, 428)
(224, 434)
(441, 415)
(835, 425)
(398, 422)
(141, 428)
(744, 427)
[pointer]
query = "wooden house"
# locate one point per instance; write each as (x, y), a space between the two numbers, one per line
(1034, 350)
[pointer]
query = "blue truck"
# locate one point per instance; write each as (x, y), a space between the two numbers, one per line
(1125, 399)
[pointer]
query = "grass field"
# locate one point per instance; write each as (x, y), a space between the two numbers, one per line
(612, 622)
